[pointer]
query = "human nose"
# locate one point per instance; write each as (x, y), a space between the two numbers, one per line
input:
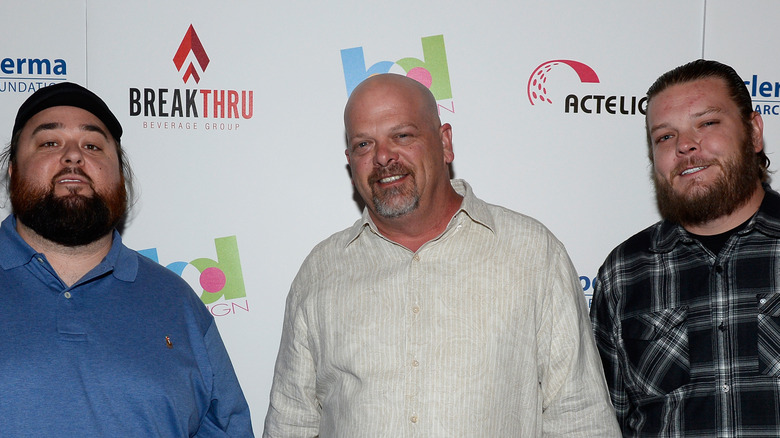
(385, 153)
(686, 143)
(72, 154)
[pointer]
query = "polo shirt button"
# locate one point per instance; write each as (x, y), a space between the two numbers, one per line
(413, 419)
(67, 295)
(726, 388)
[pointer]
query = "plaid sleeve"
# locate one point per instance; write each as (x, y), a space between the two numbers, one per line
(606, 333)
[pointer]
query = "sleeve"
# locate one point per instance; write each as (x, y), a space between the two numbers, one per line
(605, 331)
(574, 395)
(228, 414)
(293, 410)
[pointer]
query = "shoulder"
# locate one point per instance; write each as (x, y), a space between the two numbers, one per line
(521, 231)
(151, 271)
(168, 287)
(638, 245)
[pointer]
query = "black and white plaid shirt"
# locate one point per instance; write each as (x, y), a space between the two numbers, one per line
(690, 340)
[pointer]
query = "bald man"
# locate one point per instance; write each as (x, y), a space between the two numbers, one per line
(435, 314)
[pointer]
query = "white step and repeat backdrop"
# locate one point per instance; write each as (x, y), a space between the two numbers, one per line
(233, 119)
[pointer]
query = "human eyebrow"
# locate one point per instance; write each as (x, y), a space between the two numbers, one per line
(46, 127)
(402, 126)
(705, 112)
(94, 128)
(659, 126)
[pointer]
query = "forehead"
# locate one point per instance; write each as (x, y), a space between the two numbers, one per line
(65, 117)
(690, 98)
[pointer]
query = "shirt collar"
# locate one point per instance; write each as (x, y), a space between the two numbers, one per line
(766, 221)
(16, 252)
(473, 208)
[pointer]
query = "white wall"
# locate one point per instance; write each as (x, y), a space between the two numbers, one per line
(278, 181)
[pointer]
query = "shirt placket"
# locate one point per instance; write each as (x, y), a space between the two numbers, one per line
(415, 311)
(721, 323)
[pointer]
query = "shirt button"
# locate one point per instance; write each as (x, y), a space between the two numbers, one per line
(415, 363)
(40, 260)
(67, 295)
(725, 388)
(416, 309)
(416, 257)
(413, 419)
(762, 301)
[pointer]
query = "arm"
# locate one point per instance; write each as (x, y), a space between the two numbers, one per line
(602, 315)
(294, 410)
(575, 400)
(228, 414)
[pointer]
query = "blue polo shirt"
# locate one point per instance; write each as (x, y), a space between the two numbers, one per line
(127, 351)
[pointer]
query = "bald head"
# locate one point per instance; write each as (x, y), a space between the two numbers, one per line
(379, 89)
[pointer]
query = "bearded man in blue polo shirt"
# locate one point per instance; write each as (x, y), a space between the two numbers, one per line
(98, 340)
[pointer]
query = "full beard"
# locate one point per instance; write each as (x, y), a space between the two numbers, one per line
(395, 201)
(69, 220)
(702, 204)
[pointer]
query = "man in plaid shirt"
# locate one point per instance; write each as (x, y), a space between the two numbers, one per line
(686, 313)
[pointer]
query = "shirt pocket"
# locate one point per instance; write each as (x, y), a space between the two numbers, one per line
(656, 346)
(769, 334)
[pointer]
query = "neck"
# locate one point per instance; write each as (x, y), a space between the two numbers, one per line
(415, 229)
(69, 262)
(732, 220)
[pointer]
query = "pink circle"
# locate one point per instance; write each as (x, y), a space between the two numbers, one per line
(212, 280)
(421, 75)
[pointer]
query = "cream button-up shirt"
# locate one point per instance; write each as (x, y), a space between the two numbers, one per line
(483, 332)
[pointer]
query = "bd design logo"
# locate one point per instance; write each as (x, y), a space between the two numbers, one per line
(432, 71)
(539, 91)
(220, 278)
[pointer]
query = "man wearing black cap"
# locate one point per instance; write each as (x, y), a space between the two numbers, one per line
(97, 340)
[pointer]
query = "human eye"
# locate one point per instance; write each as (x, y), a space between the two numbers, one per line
(709, 123)
(92, 147)
(360, 146)
(403, 137)
(662, 138)
(49, 144)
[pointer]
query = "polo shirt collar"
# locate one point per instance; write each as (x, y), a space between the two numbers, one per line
(122, 261)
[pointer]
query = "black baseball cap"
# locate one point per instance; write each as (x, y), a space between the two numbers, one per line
(67, 94)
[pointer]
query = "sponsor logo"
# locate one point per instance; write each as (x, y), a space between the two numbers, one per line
(27, 75)
(220, 281)
(540, 92)
(191, 109)
(765, 94)
(432, 70)
(191, 44)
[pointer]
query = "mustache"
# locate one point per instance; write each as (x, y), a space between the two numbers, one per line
(692, 162)
(71, 171)
(383, 172)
